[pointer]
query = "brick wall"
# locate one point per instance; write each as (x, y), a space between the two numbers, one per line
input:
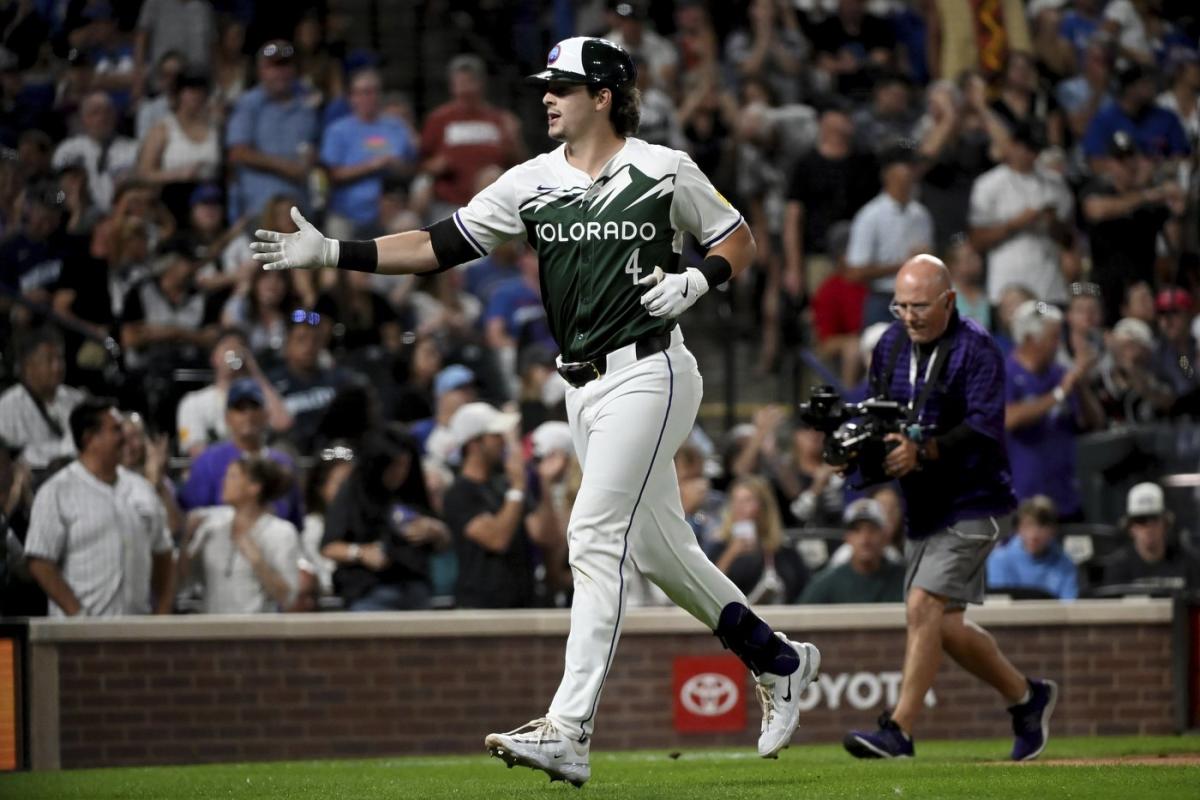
(147, 702)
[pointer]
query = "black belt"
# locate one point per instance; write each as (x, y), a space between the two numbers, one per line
(578, 373)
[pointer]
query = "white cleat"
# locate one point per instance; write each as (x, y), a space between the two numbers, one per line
(780, 700)
(540, 745)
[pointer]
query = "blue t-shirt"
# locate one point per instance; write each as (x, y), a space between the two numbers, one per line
(1011, 565)
(1158, 132)
(524, 316)
(348, 142)
(1042, 455)
(1078, 30)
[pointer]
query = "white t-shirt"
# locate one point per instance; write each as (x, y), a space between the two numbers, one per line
(23, 425)
(230, 584)
(200, 419)
(101, 536)
(105, 166)
(885, 232)
(1031, 257)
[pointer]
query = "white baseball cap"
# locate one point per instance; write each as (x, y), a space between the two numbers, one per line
(1145, 500)
(864, 509)
(1131, 329)
(477, 419)
(551, 436)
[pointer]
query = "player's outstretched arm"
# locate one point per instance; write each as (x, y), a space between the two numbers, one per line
(307, 248)
(671, 295)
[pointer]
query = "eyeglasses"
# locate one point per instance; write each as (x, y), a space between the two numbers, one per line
(900, 310)
(1085, 289)
(304, 317)
(278, 51)
(337, 454)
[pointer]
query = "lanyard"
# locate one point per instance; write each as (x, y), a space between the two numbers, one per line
(933, 368)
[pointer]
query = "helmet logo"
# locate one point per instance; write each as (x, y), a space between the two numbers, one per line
(553, 56)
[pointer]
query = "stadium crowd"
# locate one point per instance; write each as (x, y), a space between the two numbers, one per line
(183, 431)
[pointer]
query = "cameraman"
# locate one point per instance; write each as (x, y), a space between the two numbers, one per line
(953, 471)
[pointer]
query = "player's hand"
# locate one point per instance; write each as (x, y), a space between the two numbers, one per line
(671, 295)
(307, 248)
(903, 457)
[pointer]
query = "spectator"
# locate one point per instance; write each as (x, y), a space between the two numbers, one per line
(416, 366)
(659, 123)
(148, 456)
(709, 115)
(1032, 561)
(888, 231)
(32, 258)
(270, 135)
(320, 65)
(20, 594)
(702, 503)
(633, 32)
(1085, 323)
(246, 421)
(1183, 95)
(1081, 23)
(109, 50)
(1128, 23)
(771, 48)
(515, 317)
(829, 185)
(34, 412)
(1138, 302)
(868, 576)
(541, 394)
(1020, 219)
(98, 542)
(184, 148)
(487, 516)
(486, 274)
(1046, 406)
(1176, 355)
(1150, 563)
(1086, 93)
(890, 119)
(553, 485)
(363, 322)
(1156, 131)
(305, 384)
(1054, 54)
(453, 387)
(378, 529)
(226, 248)
(166, 322)
(230, 65)
(891, 504)
(1123, 217)
(82, 214)
(246, 560)
(106, 155)
(323, 481)
(1011, 298)
(750, 549)
(262, 310)
(837, 308)
(1128, 388)
(187, 27)
(358, 150)
(154, 108)
(465, 135)
(849, 45)
(966, 273)
(817, 497)
(1024, 103)
(200, 418)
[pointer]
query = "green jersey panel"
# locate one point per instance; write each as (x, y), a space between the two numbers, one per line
(596, 239)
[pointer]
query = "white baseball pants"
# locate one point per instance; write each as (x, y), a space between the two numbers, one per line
(626, 426)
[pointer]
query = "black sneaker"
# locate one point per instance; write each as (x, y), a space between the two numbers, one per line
(1031, 720)
(887, 742)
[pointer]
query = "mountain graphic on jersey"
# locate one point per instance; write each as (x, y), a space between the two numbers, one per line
(594, 244)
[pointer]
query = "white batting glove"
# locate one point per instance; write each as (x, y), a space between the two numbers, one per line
(307, 248)
(671, 295)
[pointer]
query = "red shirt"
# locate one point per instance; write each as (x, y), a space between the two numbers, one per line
(837, 307)
(470, 139)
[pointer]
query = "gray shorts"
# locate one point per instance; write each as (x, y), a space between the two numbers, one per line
(952, 562)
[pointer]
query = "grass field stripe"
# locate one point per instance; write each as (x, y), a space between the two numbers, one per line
(612, 643)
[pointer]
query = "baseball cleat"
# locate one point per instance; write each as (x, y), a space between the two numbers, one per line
(1031, 720)
(539, 745)
(887, 742)
(780, 699)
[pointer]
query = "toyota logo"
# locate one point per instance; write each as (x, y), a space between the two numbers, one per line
(709, 694)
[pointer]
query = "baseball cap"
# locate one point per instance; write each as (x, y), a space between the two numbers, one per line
(477, 419)
(206, 193)
(1134, 330)
(630, 10)
(1145, 500)
(864, 509)
(1132, 74)
(1028, 135)
(244, 389)
(587, 60)
(1173, 299)
(1122, 144)
(551, 436)
(278, 51)
(455, 376)
(898, 152)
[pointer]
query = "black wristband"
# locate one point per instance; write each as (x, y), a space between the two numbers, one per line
(357, 255)
(716, 270)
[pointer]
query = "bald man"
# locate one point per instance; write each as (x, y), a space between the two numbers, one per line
(953, 471)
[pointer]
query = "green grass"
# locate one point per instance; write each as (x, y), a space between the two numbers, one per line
(972, 769)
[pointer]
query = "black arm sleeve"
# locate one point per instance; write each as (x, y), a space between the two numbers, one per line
(450, 247)
(960, 439)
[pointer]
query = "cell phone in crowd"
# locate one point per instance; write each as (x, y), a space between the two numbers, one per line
(743, 529)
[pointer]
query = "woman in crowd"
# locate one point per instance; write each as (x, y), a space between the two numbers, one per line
(324, 480)
(262, 311)
(750, 549)
(246, 559)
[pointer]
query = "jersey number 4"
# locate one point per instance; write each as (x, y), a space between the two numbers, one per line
(631, 266)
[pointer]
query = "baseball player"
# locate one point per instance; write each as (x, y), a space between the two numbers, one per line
(606, 213)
